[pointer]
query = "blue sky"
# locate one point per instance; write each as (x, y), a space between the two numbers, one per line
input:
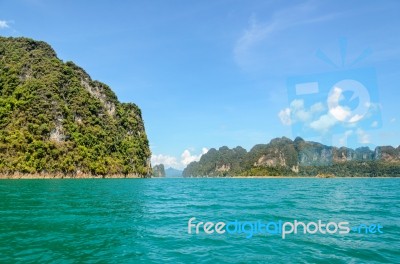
(214, 73)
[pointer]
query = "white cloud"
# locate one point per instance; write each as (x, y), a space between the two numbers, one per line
(324, 123)
(355, 118)
(298, 113)
(297, 104)
(168, 161)
(323, 116)
(171, 161)
(318, 107)
(187, 157)
(4, 24)
(204, 150)
(363, 137)
(303, 115)
(346, 114)
(335, 96)
(339, 112)
(284, 116)
(317, 116)
(393, 120)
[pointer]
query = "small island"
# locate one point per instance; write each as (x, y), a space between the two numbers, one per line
(159, 171)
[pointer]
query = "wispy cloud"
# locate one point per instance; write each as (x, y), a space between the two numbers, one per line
(258, 32)
(254, 34)
(363, 137)
(4, 24)
(343, 139)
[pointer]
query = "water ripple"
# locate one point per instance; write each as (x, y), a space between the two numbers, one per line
(139, 220)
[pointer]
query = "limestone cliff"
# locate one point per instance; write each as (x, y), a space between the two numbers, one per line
(282, 156)
(56, 120)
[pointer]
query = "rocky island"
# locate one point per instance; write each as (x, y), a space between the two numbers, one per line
(159, 171)
(56, 122)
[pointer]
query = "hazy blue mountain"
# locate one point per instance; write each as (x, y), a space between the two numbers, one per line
(171, 172)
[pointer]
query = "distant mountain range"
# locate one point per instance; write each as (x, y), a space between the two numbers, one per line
(286, 157)
(160, 171)
(171, 172)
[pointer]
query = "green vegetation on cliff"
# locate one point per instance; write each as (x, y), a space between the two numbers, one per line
(55, 119)
(284, 157)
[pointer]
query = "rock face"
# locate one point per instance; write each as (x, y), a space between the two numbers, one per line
(283, 156)
(55, 119)
(159, 171)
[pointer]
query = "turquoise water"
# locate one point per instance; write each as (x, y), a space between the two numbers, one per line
(146, 220)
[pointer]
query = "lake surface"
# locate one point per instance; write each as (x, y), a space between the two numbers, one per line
(146, 220)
